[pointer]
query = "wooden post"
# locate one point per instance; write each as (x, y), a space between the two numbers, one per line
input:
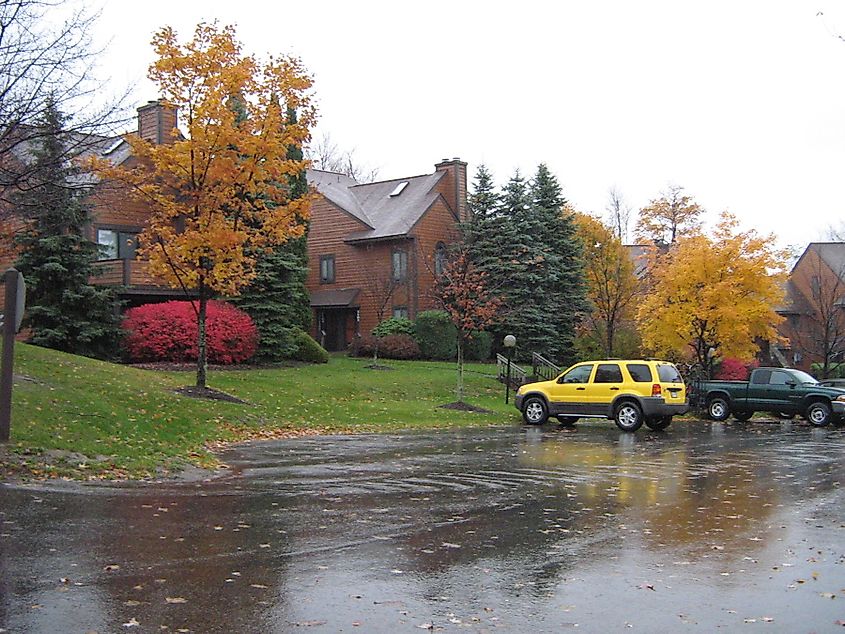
(11, 322)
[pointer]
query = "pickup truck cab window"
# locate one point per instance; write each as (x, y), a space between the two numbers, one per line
(578, 374)
(761, 376)
(780, 378)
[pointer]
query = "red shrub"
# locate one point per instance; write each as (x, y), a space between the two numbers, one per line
(734, 370)
(399, 347)
(168, 332)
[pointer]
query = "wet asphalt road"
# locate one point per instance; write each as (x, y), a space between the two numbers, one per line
(702, 528)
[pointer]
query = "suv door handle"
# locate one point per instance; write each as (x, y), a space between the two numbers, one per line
(614, 389)
(580, 388)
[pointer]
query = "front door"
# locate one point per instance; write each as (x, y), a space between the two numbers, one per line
(331, 326)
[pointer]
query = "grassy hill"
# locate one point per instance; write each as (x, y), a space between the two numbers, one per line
(77, 417)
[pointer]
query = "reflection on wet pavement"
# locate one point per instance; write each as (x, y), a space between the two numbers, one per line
(508, 529)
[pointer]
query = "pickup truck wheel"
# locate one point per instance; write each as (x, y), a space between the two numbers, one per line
(818, 413)
(535, 411)
(718, 408)
(628, 416)
(658, 423)
(743, 416)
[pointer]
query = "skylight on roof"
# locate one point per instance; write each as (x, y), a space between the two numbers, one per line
(399, 188)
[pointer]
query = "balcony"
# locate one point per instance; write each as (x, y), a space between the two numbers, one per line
(132, 274)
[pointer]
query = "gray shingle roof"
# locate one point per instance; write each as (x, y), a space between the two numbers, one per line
(833, 254)
(386, 215)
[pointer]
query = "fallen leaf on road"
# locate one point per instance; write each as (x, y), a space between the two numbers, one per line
(175, 600)
(131, 623)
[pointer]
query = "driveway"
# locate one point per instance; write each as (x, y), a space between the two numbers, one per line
(706, 526)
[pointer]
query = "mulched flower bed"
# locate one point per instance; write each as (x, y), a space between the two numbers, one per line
(462, 406)
(208, 393)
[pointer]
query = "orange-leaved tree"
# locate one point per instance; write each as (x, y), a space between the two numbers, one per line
(714, 296)
(611, 283)
(461, 290)
(218, 195)
(669, 217)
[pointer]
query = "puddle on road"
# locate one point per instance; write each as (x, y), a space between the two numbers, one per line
(513, 529)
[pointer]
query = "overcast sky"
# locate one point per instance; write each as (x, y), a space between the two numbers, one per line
(741, 102)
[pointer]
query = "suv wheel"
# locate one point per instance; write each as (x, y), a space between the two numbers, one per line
(535, 411)
(628, 416)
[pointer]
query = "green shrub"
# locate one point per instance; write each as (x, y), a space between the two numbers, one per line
(394, 326)
(436, 335)
(479, 347)
(307, 349)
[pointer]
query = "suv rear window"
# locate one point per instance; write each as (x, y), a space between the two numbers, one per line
(668, 373)
(640, 372)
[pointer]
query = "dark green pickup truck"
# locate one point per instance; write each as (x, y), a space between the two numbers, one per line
(782, 391)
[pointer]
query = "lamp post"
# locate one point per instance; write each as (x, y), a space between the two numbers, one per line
(510, 343)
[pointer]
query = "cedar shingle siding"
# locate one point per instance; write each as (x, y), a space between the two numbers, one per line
(363, 226)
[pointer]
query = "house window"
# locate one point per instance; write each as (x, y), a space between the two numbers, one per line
(400, 265)
(326, 269)
(439, 258)
(107, 239)
(117, 244)
(400, 312)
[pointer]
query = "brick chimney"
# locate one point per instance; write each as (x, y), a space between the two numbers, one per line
(456, 185)
(156, 121)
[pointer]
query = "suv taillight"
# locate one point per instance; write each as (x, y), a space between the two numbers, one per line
(655, 390)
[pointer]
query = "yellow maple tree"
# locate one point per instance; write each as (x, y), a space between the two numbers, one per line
(611, 283)
(218, 192)
(714, 296)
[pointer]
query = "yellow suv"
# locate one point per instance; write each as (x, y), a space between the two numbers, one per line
(629, 392)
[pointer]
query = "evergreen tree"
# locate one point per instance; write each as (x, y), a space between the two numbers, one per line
(277, 299)
(483, 201)
(528, 249)
(64, 311)
(566, 282)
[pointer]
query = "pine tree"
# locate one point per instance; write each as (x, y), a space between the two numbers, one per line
(64, 311)
(528, 249)
(483, 200)
(277, 299)
(566, 299)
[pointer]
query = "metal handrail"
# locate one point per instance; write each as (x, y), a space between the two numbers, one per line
(518, 373)
(543, 368)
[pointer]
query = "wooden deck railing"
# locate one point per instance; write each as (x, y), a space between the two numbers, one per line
(125, 273)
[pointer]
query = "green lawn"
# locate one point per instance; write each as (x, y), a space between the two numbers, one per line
(78, 417)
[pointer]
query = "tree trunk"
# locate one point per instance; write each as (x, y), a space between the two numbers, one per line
(202, 349)
(460, 391)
